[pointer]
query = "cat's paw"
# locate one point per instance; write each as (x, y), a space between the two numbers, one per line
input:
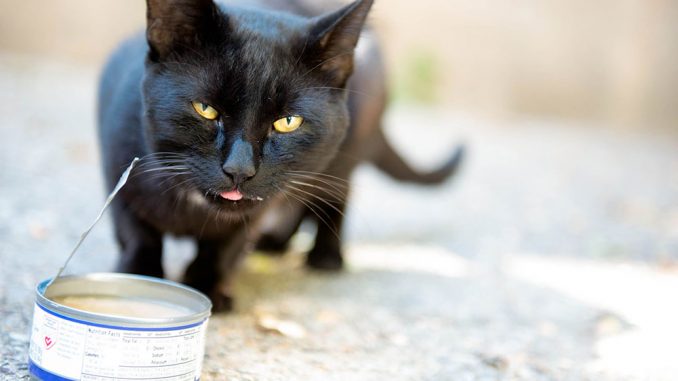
(221, 302)
(325, 260)
(208, 285)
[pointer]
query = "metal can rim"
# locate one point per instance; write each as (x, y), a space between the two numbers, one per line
(122, 321)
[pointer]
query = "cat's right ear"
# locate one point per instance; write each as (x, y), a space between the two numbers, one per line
(334, 37)
(178, 25)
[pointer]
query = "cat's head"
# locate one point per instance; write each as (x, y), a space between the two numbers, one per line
(246, 98)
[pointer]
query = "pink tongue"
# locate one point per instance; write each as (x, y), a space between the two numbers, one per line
(233, 195)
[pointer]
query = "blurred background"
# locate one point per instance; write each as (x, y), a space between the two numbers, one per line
(552, 255)
(612, 61)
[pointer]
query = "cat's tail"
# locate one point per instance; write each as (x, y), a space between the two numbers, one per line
(390, 162)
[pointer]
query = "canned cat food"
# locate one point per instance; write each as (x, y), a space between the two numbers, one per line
(117, 327)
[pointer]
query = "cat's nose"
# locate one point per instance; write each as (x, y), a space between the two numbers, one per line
(239, 174)
(239, 165)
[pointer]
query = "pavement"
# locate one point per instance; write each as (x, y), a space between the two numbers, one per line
(552, 256)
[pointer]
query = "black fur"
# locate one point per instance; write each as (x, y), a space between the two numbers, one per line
(254, 66)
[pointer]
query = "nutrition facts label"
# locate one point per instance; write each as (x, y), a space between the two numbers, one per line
(76, 350)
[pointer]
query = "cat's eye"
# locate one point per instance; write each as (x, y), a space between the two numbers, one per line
(288, 124)
(205, 110)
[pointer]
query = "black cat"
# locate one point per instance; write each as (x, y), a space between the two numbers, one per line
(240, 114)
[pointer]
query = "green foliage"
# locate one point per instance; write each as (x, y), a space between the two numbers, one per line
(417, 79)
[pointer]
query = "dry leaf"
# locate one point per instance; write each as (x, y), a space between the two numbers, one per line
(270, 323)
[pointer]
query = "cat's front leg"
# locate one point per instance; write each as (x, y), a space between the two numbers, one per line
(279, 225)
(327, 252)
(140, 243)
(214, 266)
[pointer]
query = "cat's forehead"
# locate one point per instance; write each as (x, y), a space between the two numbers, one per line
(259, 55)
(262, 45)
(264, 24)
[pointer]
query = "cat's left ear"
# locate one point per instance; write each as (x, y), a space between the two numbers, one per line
(178, 25)
(335, 37)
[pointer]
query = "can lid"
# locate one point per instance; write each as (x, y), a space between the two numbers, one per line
(83, 236)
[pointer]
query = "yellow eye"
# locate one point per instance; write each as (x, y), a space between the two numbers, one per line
(288, 124)
(205, 110)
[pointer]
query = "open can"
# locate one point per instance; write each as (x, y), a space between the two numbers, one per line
(74, 344)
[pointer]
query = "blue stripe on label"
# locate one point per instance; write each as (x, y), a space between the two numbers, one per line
(117, 327)
(44, 375)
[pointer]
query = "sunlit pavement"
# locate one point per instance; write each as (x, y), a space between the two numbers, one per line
(550, 257)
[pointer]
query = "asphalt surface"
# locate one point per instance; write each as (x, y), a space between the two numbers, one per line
(550, 257)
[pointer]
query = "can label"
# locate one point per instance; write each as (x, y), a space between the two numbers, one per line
(63, 348)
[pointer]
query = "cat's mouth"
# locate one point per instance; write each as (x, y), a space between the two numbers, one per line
(234, 197)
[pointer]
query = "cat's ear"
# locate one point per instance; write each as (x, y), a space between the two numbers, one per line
(335, 37)
(176, 25)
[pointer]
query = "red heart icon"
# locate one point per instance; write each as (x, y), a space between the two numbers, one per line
(49, 343)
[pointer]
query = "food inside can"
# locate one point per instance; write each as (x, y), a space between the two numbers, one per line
(123, 307)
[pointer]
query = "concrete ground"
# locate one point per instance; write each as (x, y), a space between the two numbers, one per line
(551, 257)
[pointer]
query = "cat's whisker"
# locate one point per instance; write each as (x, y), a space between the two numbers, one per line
(180, 184)
(306, 202)
(142, 162)
(166, 175)
(339, 188)
(358, 214)
(162, 177)
(289, 203)
(315, 173)
(328, 180)
(163, 154)
(330, 192)
(159, 164)
(321, 199)
(310, 206)
(160, 171)
(341, 185)
(163, 180)
(172, 177)
(327, 184)
(151, 159)
(339, 179)
(166, 153)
